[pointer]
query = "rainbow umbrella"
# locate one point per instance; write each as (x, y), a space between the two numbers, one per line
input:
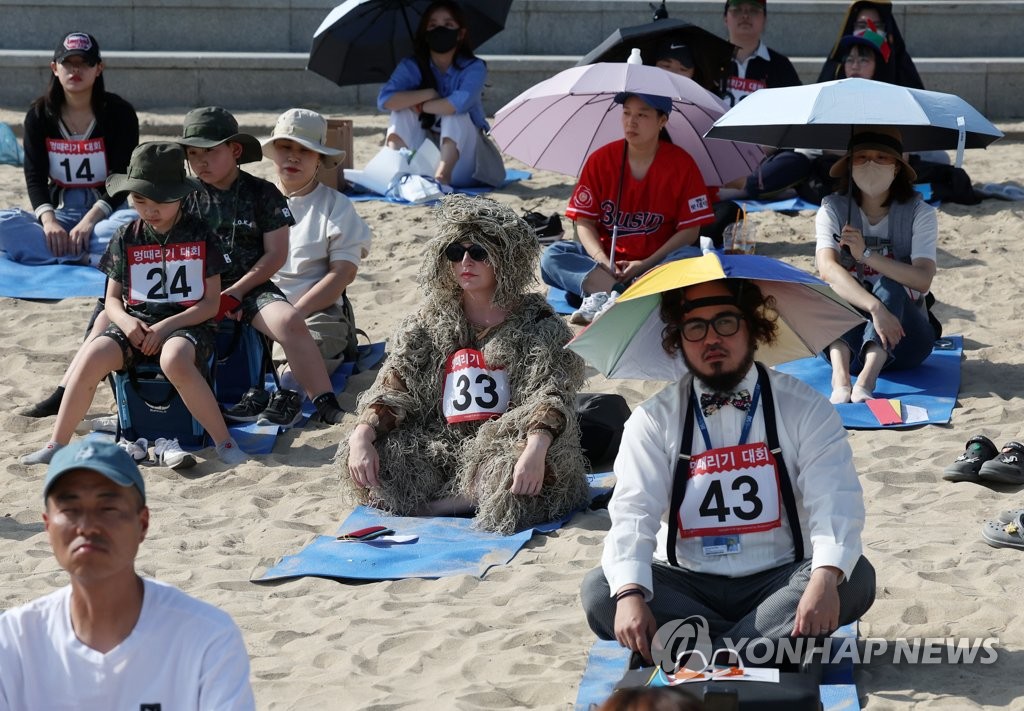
(625, 342)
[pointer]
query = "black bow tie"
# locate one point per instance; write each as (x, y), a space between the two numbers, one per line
(710, 403)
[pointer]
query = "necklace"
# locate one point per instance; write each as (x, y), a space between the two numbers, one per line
(72, 126)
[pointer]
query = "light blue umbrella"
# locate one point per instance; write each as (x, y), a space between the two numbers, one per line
(824, 116)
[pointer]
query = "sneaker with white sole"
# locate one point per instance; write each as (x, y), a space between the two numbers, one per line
(250, 407)
(106, 423)
(609, 302)
(137, 450)
(589, 309)
(168, 453)
(284, 410)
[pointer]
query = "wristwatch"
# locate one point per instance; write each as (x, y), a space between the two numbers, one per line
(866, 254)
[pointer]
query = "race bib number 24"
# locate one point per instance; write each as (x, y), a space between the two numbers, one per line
(172, 274)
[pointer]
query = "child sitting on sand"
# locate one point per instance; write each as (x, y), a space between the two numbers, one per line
(328, 240)
(162, 292)
(252, 219)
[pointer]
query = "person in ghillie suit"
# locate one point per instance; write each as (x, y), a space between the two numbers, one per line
(474, 408)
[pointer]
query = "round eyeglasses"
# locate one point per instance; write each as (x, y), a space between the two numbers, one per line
(725, 324)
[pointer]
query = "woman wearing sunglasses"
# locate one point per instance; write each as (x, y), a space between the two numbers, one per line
(473, 410)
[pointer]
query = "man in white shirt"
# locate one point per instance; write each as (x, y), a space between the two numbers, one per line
(756, 532)
(111, 639)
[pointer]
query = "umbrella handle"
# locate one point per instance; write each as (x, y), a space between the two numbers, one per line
(961, 140)
(611, 252)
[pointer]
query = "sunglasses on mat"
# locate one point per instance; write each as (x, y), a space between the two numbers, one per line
(456, 251)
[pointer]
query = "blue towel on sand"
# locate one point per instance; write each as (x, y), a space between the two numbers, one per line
(49, 281)
(260, 439)
(446, 546)
(933, 385)
(608, 662)
(511, 176)
(556, 300)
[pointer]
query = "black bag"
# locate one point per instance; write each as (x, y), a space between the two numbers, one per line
(149, 406)
(949, 183)
(794, 692)
(602, 417)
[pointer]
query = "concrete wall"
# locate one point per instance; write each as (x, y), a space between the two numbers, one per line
(159, 53)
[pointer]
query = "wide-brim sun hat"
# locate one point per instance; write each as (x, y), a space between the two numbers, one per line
(879, 138)
(210, 126)
(156, 171)
(308, 129)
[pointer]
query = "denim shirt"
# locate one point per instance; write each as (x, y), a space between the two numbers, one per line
(462, 85)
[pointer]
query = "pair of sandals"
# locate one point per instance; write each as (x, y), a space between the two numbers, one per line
(982, 462)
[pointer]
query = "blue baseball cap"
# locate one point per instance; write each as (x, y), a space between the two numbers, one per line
(658, 103)
(101, 457)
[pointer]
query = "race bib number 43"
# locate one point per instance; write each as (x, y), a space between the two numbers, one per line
(77, 164)
(731, 490)
(173, 274)
(472, 390)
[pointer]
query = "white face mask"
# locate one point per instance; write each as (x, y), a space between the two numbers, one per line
(874, 179)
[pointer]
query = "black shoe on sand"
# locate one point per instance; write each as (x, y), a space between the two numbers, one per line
(980, 450)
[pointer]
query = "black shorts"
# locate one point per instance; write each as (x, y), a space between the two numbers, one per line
(201, 337)
(257, 298)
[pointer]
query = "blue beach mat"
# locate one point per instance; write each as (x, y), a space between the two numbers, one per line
(608, 662)
(556, 300)
(49, 281)
(511, 176)
(260, 439)
(932, 386)
(777, 205)
(446, 546)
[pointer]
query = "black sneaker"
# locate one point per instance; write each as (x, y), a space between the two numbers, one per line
(284, 410)
(248, 409)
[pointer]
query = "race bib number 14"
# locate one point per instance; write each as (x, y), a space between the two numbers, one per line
(472, 390)
(77, 164)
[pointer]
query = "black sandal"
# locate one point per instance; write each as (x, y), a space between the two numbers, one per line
(979, 450)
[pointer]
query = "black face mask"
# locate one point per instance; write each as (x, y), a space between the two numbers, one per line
(442, 39)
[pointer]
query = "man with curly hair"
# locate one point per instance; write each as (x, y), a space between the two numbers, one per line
(736, 500)
(473, 410)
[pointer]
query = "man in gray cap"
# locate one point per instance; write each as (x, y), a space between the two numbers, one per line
(116, 640)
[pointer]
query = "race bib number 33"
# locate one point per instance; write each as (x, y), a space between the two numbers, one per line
(731, 490)
(472, 390)
(173, 274)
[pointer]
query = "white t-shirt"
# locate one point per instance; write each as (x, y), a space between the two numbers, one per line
(327, 229)
(183, 654)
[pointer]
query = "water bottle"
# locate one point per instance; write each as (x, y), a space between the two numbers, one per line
(634, 57)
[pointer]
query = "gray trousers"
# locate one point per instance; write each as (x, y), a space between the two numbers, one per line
(762, 605)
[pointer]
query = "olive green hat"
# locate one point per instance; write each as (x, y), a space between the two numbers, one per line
(210, 126)
(156, 171)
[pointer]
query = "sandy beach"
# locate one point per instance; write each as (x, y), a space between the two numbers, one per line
(517, 638)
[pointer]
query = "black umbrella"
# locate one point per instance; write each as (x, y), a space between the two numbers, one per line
(711, 53)
(362, 41)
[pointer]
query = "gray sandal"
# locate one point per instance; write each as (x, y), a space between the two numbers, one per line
(1004, 535)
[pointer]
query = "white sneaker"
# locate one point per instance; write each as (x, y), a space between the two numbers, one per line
(609, 302)
(168, 453)
(107, 423)
(589, 309)
(137, 450)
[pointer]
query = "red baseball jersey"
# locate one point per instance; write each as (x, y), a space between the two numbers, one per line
(670, 198)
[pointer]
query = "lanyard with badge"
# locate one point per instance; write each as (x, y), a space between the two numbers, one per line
(724, 506)
(730, 491)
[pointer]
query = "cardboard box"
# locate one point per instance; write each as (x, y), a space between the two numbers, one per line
(339, 135)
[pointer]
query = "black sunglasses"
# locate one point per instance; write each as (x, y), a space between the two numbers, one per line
(456, 251)
(725, 324)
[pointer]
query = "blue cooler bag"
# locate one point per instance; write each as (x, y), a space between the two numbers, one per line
(149, 406)
(240, 361)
